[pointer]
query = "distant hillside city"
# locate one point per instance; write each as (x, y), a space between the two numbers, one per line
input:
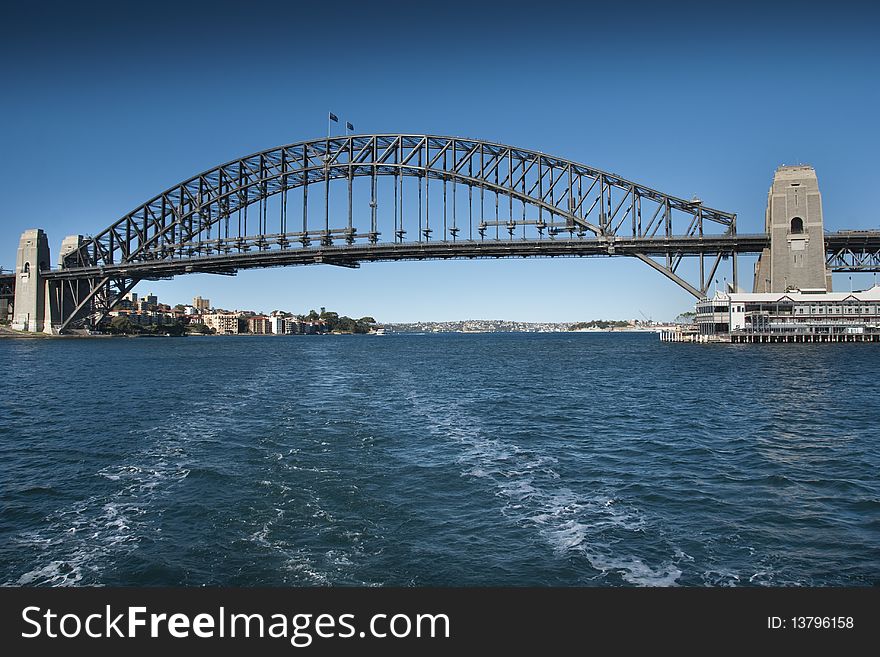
(145, 315)
(505, 326)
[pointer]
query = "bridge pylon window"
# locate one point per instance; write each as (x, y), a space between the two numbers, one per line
(797, 226)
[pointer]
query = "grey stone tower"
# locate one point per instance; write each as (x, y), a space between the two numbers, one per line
(796, 257)
(30, 288)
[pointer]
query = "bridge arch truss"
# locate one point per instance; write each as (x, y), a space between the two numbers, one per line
(349, 199)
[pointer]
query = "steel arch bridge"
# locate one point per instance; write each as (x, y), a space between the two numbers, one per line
(351, 199)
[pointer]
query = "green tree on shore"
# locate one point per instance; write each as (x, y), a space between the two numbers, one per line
(121, 325)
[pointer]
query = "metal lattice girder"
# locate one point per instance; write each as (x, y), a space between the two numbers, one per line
(847, 260)
(84, 301)
(853, 250)
(7, 285)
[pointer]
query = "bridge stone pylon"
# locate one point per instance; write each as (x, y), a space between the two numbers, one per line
(31, 262)
(795, 258)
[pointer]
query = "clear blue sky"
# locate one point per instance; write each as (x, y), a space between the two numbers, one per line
(105, 105)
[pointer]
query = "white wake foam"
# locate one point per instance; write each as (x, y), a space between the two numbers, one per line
(77, 543)
(534, 496)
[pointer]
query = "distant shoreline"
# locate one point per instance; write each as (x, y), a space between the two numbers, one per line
(25, 335)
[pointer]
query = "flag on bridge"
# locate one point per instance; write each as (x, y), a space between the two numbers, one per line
(349, 126)
(334, 118)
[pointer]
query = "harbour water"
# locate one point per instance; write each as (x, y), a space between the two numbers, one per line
(487, 459)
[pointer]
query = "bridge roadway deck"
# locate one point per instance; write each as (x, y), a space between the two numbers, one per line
(352, 255)
(858, 240)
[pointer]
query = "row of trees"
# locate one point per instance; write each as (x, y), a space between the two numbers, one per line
(122, 325)
(599, 324)
(333, 323)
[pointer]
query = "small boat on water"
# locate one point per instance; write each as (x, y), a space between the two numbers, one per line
(380, 331)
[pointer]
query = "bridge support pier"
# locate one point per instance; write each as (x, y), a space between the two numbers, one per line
(62, 296)
(31, 261)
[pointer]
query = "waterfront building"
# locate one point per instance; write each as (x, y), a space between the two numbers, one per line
(293, 326)
(277, 324)
(222, 323)
(202, 305)
(792, 316)
(281, 323)
(259, 325)
(313, 327)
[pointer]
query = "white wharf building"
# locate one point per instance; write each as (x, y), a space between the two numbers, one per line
(793, 316)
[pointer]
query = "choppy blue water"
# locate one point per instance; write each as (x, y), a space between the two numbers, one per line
(494, 459)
